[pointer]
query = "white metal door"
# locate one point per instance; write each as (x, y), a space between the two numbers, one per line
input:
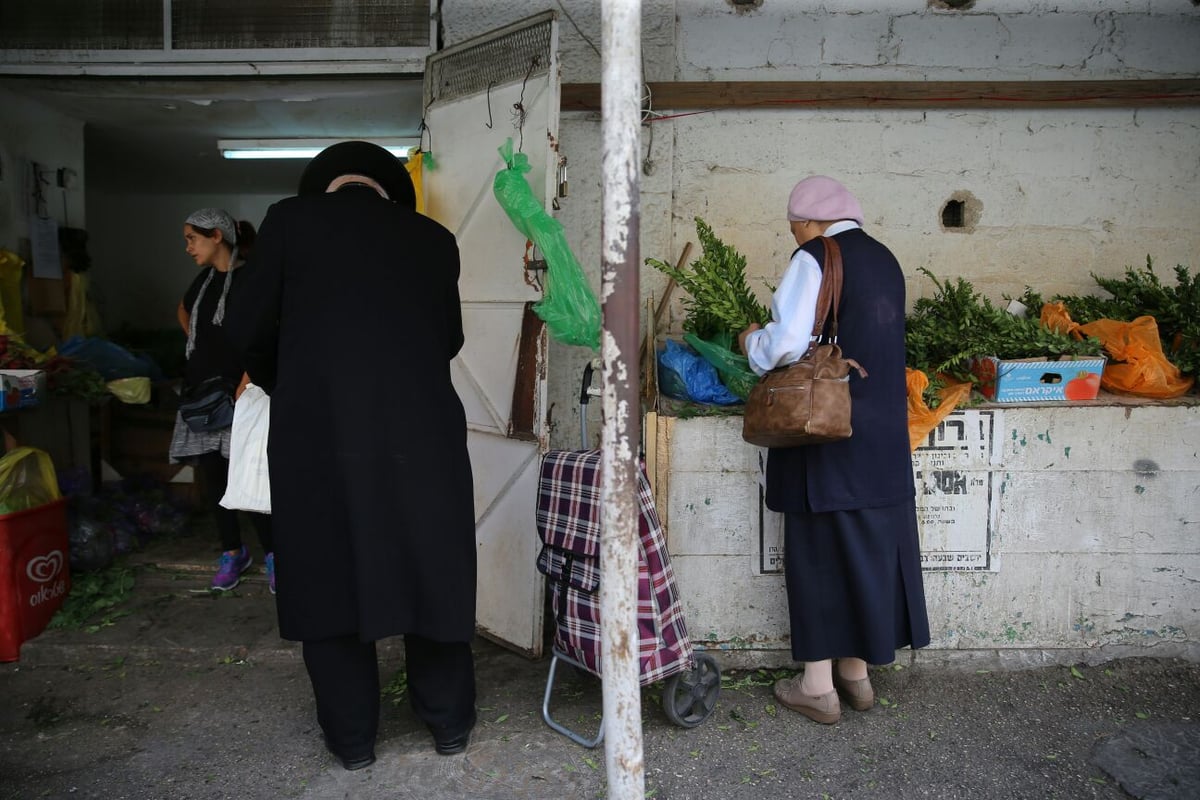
(478, 94)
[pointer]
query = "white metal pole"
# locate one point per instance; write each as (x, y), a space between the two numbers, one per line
(620, 102)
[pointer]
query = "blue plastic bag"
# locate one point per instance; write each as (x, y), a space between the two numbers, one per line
(110, 359)
(734, 369)
(684, 375)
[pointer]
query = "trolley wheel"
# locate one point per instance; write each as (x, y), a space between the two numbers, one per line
(690, 697)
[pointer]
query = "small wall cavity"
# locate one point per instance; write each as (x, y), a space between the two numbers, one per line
(961, 213)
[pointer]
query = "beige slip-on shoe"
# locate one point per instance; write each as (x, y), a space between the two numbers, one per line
(859, 694)
(824, 709)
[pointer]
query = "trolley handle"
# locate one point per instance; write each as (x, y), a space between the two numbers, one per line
(587, 383)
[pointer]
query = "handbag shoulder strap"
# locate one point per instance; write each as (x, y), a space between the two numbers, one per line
(830, 295)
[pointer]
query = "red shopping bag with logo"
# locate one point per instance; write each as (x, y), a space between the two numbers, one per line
(34, 569)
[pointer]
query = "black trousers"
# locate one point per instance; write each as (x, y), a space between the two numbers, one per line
(345, 680)
(215, 470)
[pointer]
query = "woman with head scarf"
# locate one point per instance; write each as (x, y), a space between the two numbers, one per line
(218, 244)
(350, 322)
(851, 550)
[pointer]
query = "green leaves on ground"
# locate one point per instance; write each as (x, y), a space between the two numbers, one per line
(396, 688)
(93, 597)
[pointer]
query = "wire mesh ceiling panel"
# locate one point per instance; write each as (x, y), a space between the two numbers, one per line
(102, 25)
(510, 54)
(254, 24)
(81, 24)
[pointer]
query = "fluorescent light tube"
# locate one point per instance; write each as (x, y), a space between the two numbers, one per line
(303, 148)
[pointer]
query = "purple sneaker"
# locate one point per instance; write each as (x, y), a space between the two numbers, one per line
(229, 574)
(270, 559)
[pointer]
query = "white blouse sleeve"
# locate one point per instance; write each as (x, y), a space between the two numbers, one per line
(793, 310)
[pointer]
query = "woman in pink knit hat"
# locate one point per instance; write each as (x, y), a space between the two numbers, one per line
(851, 550)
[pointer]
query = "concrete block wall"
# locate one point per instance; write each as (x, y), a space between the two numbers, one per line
(1055, 193)
(1089, 538)
(702, 40)
(1059, 194)
(579, 31)
(921, 40)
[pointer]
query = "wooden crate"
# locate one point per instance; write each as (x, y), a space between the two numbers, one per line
(139, 438)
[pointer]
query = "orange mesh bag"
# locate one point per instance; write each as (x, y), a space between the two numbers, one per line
(921, 418)
(1055, 317)
(1139, 366)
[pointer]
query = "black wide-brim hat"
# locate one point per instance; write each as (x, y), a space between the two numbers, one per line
(359, 158)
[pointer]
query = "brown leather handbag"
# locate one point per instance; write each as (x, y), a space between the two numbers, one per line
(808, 401)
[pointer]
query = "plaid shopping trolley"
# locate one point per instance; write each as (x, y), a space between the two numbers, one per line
(568, 521)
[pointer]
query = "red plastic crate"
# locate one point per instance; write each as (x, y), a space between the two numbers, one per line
(35, 574)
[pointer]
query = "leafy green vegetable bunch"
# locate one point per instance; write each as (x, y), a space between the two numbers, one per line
(69, 377)
(65, 376)
(720, 300)
(945, 332)
(1139, 293)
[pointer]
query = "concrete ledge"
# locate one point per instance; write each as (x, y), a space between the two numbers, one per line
(1001, 659)
(1050, 533)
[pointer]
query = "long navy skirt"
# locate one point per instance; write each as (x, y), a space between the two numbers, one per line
(854, 583)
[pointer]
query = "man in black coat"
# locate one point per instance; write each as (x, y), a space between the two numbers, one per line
(349, 317)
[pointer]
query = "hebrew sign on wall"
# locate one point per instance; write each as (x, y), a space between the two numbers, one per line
(957, 479)
(958, 491)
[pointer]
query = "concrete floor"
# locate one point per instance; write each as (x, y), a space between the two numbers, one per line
(187, 695)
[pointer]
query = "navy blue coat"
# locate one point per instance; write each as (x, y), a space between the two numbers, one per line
(873, 468)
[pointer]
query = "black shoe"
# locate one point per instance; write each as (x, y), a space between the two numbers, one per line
(448, 745)
(351, 763)
(452, 745)
(358, 763)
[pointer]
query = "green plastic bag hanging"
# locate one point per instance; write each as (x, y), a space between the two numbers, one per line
(734, 370)
(568, 306)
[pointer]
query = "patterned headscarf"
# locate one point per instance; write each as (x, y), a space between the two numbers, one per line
(221, 220)
(217, 219)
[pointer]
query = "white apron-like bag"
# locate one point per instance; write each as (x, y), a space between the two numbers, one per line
(249, 485)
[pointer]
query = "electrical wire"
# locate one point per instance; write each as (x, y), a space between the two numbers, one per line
(575, 25)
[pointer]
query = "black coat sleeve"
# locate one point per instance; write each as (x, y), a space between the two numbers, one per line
(252, 323)
(454, 324)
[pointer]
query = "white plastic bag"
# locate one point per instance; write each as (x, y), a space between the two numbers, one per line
(249, 485)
